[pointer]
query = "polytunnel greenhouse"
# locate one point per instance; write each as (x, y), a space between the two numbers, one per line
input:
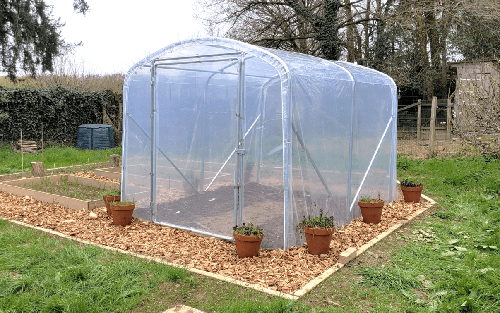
(219, 132)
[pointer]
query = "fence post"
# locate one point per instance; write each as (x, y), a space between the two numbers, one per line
(448, 120)
(419, 119)
(432, 135)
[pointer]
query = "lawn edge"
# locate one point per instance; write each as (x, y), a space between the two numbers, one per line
(351, 253)
(162, 261)
(344, 258)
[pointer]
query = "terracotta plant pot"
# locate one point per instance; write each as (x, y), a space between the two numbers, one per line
(371, 212)
(412, 194)
(108, 199)
(122, 214)
(247, 246)
(318, 239)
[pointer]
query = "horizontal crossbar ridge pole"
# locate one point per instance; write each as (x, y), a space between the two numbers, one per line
(200, 56)
(206, 71)
(197, 61)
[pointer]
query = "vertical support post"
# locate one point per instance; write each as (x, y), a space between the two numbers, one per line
(203, 139)
(22, 154)
(261, 134)
(393, 193)
(42, 142)
(286, 114)
(448, 119)
(124, 124)
(240, 146)
(120, 120)
(152, 206)
(432, 135)
(419, 120)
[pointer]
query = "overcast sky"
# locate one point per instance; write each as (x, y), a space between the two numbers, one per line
(118, 33)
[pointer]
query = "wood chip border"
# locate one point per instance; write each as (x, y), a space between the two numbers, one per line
(290, 293)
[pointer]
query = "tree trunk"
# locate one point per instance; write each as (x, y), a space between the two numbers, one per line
(424, 57)
(37, 169)
(367, 33)
(114, 160)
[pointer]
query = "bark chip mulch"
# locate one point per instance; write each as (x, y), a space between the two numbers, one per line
(283, 271)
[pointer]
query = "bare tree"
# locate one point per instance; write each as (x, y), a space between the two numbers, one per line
(314, 27)
(478, 115)
(411, 40)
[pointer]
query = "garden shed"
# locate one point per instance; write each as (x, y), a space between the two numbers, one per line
(219, 132)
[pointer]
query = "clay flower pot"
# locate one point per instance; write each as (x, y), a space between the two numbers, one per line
(247, 246)
(108, 199)
(318, 239)
(412, 194)
(371, 211)
(122, 213)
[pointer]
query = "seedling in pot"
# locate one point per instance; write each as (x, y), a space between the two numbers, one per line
(409, 183)
(369, 199)
(248, 230)
(122, 203)
(321, 221)
(111, 192)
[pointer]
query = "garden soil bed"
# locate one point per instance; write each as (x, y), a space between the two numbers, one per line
(283, 271)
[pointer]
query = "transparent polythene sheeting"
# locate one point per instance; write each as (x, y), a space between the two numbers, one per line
(308, 144)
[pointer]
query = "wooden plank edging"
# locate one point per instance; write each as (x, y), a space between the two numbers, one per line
(14, 188)
(352, 252)
(110, 172)
(162, 261)
(344, 257)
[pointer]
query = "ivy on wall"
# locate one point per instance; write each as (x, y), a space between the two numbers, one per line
(60, 110)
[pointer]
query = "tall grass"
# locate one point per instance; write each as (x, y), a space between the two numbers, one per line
(70, 74)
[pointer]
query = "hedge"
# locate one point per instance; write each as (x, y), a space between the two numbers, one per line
(60, 110)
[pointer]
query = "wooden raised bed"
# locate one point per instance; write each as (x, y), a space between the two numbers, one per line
(14, 187)
(110, 172)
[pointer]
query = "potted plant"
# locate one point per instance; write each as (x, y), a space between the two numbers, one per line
(371, 209)
(411, 191)
(112, 195)
(122, 212)
(248, 239)
(318, 231)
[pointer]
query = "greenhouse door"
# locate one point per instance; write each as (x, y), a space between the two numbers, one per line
(199, 130)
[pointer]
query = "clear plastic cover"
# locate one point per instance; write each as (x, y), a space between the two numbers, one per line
(219, 132)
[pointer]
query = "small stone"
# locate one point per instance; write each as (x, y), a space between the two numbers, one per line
(331, 302)
(26, 197)
(93, 215)
(323, 255)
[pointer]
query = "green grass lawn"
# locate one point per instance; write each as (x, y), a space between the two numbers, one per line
(41, 273)
(52, 157)
(447, 260)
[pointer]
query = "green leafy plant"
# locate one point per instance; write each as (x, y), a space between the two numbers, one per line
(122, 203)
(111, 192)
(369, 199)
(64, 187)
(248, 230)
(321, 221)
(409, 183)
